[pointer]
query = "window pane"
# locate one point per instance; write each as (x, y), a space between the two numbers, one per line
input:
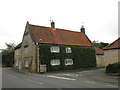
(16, 62)
(55, 49)
(68, 50)
(26, 63)
(54, 62)
(68, 62)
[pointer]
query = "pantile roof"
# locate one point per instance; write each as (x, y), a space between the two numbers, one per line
(98, 51)
(43, 34)
(114, 45)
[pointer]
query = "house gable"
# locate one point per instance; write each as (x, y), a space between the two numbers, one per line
(27, 39)
(114, 45)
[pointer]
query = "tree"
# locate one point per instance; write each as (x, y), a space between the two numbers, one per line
(100, 45)
(8, 54)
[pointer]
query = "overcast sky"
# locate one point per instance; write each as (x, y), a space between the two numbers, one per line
(100, 17)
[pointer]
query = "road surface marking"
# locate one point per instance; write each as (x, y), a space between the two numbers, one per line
(112, 86)
(89, 82)
(61, 78)
(12, 76)
(34, 81)
(59, 88)
(29, 73)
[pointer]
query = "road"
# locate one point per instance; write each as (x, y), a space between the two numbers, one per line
(81, 79)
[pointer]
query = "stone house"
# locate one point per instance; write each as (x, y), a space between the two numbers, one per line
(54, 48)
(111, 53)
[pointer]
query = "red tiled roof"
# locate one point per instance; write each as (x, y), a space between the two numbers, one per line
(43, 34)
(114, 45)
(98, 51)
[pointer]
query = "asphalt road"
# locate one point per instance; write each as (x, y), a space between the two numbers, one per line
(80, 79)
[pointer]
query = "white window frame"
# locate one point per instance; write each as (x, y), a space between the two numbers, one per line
(55, 49)
(26, 63)
(16, 63)
(55, 62)
(68, 50)
(68, 61)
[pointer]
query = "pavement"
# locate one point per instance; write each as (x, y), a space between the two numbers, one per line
(75, 79)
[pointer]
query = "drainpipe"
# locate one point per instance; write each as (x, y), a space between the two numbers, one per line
(37, 50)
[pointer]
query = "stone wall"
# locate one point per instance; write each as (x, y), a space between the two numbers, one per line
(100, 60)
(111, 56)
(17, 56)
(28, 52)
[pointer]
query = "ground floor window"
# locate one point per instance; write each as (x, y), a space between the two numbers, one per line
(16, 63)
(54, 62)
(68, 61)
(26, 63)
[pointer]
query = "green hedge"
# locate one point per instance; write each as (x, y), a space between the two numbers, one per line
(83, 57)
(113, 68)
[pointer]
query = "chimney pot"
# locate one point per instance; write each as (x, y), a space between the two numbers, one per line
(82, 29)
(53, 25)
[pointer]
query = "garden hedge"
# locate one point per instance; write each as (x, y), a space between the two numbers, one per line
(83, 57)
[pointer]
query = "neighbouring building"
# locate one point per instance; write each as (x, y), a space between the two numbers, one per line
(111, 53)
(99, 56)
(54, 48)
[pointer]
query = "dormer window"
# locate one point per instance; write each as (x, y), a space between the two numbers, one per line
(55, 49)
(68, 50)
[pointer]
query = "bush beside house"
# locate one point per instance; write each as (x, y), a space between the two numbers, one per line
(113, 68)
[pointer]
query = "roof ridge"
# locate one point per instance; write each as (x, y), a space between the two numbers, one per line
(56, 28)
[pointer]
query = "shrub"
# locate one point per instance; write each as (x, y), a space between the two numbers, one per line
(113, 68)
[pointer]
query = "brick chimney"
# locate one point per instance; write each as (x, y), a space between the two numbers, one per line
(82, 29)
(53, 25)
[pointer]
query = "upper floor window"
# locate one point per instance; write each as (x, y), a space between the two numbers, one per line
(68, 61)
(55, 49)
(54, 62)
(68, 50)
